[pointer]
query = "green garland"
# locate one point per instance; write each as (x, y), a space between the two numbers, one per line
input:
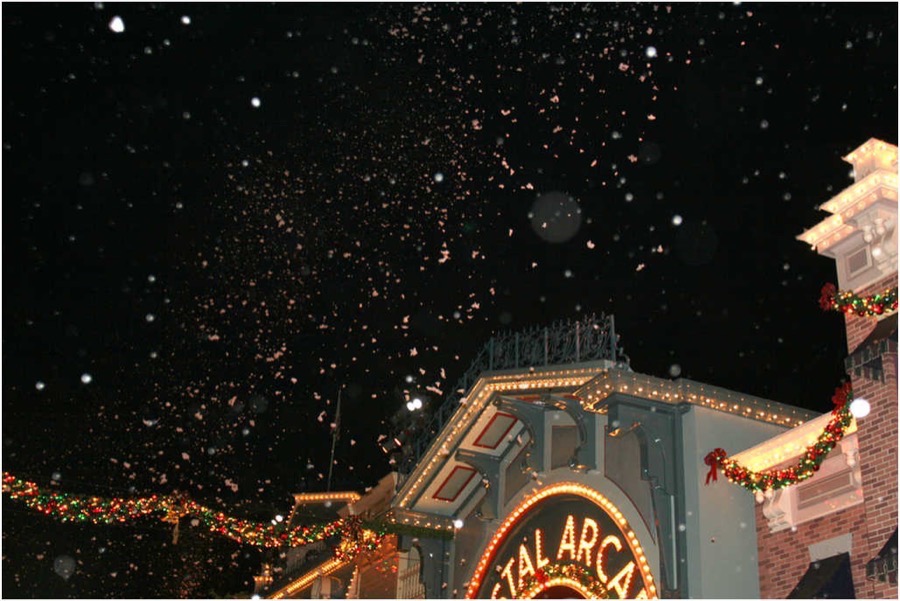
(410, 530)
(533, 584)
(357, 538)
(850, 303)
(88, 509)
(806, 467)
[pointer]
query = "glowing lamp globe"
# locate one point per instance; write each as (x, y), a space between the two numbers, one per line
(859, 408)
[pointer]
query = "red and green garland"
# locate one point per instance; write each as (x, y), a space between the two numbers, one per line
(171, 508)
(533, 584)
(851, 304)
(806, 467)
(356, 539)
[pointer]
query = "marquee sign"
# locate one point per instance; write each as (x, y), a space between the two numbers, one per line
(566, 540)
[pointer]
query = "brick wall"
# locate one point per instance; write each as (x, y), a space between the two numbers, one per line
(878, 463)
(784, 556)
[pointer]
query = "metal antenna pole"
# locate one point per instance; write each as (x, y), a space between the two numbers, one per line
(334, 437)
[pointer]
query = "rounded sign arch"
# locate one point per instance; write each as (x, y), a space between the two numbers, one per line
(568, 540)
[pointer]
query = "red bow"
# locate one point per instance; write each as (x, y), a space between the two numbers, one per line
(713, 459)
(826, 301)
(841, 395)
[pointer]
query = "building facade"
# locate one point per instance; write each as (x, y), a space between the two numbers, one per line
(558, 472)
(596, 467)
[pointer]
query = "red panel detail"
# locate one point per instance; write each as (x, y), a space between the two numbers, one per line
(439, 494)
(479, 442)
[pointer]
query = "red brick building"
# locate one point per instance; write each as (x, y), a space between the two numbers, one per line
(844, 519)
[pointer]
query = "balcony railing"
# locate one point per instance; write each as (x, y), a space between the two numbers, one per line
(409, 584)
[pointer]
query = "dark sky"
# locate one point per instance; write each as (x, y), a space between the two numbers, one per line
(221, 214)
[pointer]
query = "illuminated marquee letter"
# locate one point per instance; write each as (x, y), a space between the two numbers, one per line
(507, 573)
(525, 566)
(609, 540)
(496, 591)
(539, 559)
(585, 544)
(567, 543)
(626, 574)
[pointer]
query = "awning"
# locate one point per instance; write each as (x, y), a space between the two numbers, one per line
(828, 578)
(883, 566)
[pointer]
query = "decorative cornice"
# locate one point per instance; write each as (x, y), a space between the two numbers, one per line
(326, 497)
(683, 391)
(881, 184)
(887, 152)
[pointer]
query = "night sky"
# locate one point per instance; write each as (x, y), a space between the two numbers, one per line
(216, 216)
